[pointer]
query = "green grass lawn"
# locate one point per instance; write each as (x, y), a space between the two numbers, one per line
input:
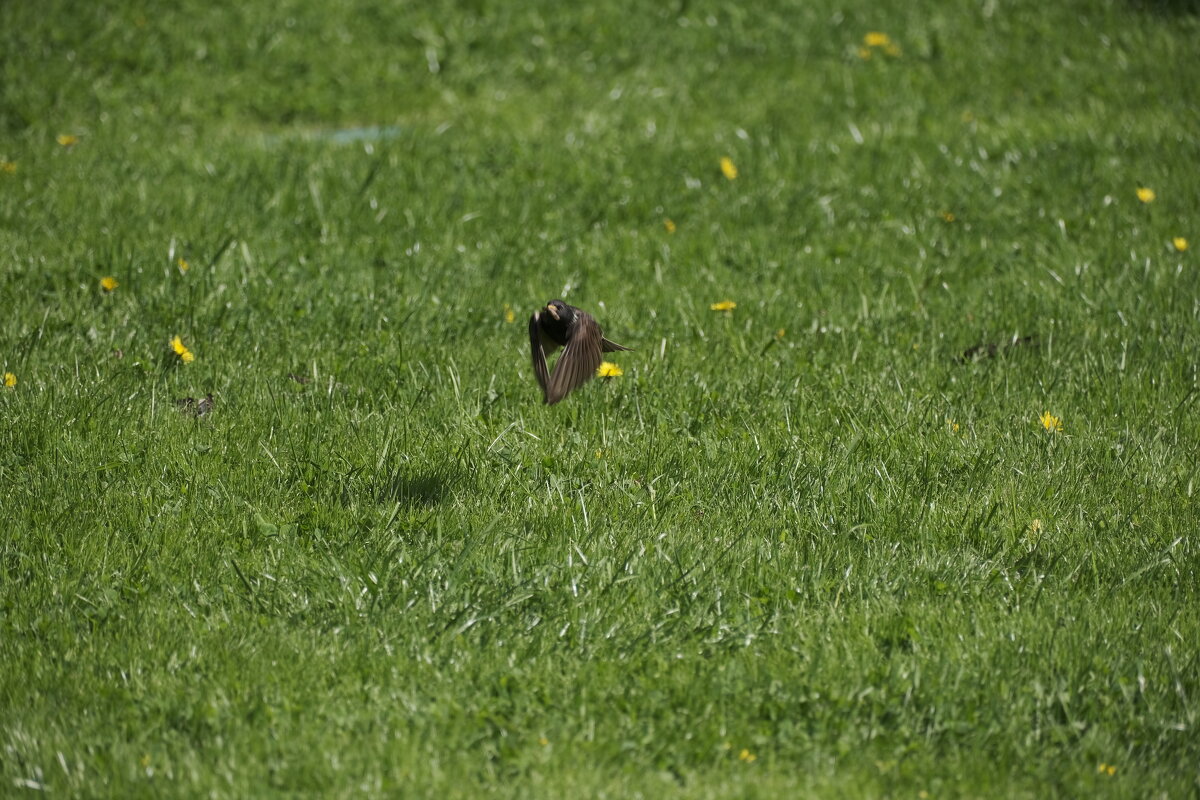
(826, 543)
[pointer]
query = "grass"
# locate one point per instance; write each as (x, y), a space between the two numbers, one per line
(804, 547)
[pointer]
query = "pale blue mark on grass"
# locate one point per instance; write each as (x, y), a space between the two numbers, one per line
(373, 133)
(369, 133)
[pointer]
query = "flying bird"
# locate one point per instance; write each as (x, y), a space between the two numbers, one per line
(560, 325)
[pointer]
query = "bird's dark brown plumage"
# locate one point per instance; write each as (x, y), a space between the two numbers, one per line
(577, 332)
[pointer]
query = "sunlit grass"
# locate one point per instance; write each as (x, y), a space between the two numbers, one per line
(895, 495)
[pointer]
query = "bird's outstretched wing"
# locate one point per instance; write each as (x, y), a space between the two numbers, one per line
(538, 355)
(580, 358)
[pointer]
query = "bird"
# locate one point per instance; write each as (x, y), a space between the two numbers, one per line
(559, 325)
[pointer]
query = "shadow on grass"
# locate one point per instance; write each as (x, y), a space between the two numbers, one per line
(419, 490)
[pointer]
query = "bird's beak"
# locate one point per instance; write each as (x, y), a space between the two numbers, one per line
(553, 311)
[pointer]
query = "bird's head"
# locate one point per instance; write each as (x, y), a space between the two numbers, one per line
(560, 311)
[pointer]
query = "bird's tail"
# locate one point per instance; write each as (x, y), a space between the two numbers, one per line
(609, 347)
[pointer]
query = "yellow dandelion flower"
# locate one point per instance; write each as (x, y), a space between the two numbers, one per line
(67, 139)
(108, 283)
(728, 168)
(608, 369)
(952, 425)
(1145, 194)
(509, 314)
(746, 756)
(779, 334)
(183, 265)
(1180, 243)
(181, 350)
(864, 53)
(948, 216)
(877, 39)
(669, 224)
(1106, 769)
(724, 305)
(8, 166)
(1051, 422)
(10, 380)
